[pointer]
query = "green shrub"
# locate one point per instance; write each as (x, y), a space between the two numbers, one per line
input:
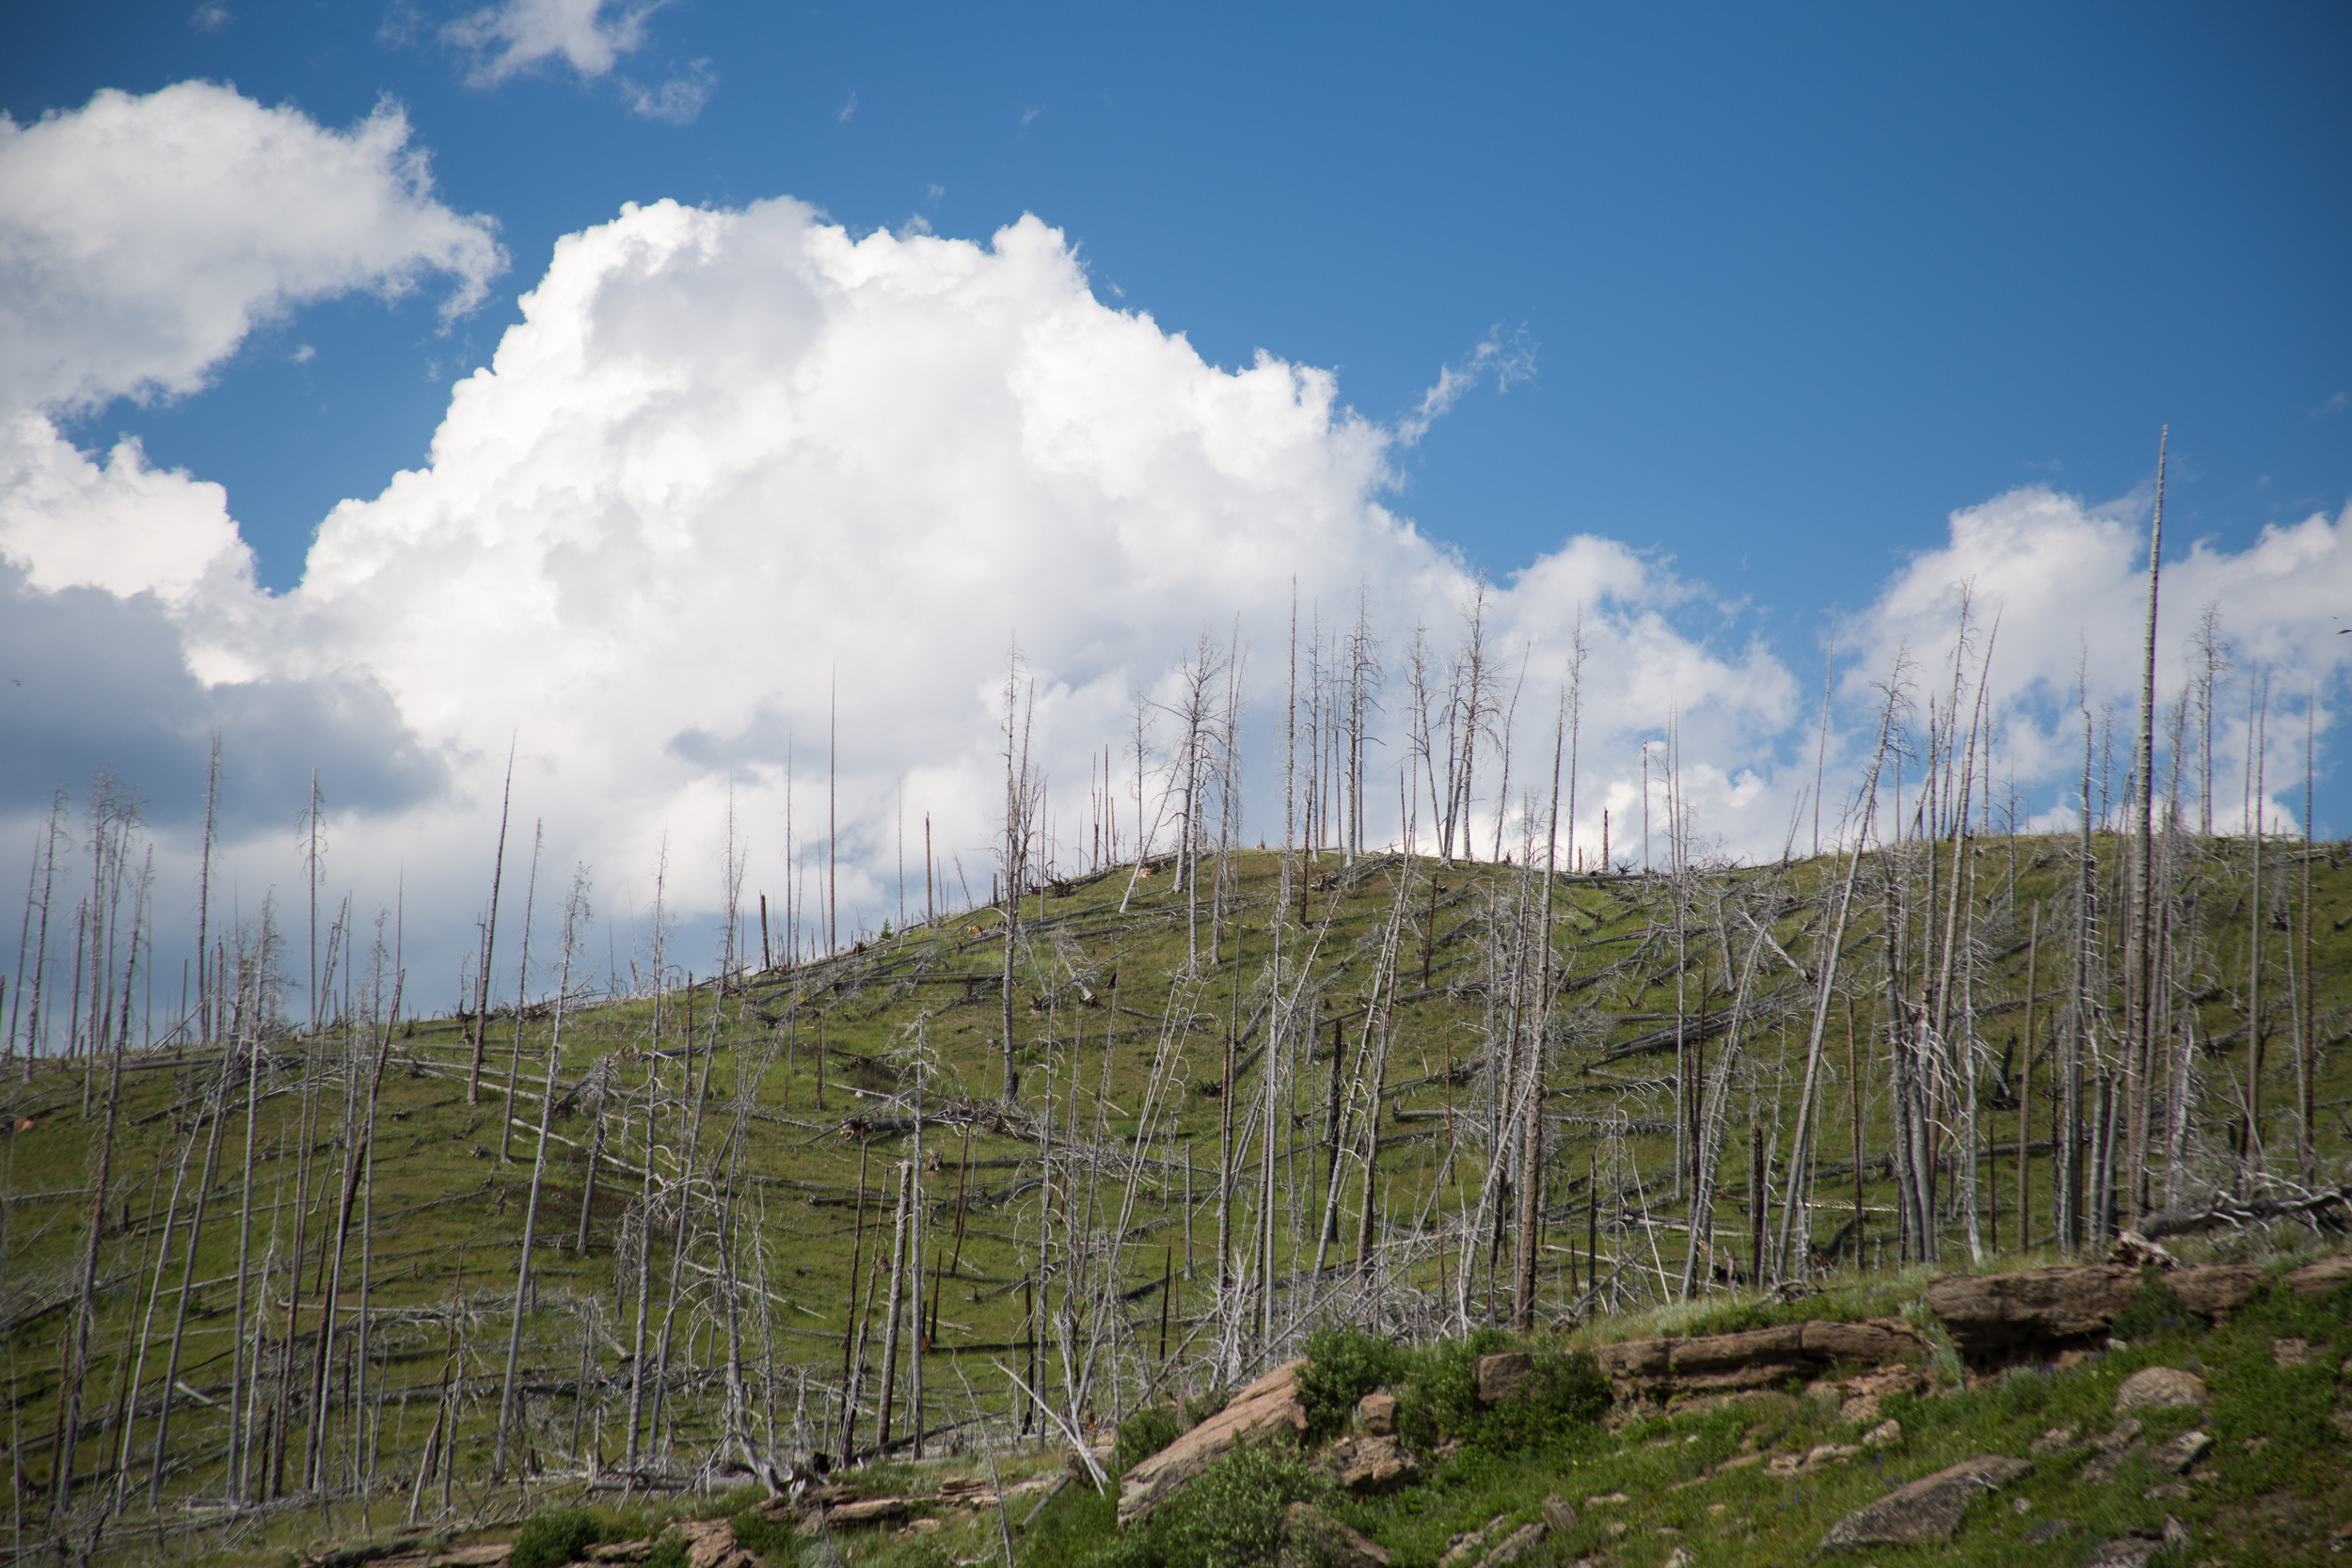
(1143, 1434)
(1343, 1364)
(1564, 1398)
(552, 1539)
(1230, 1517)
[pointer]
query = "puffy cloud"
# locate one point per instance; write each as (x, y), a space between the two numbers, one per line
(142, 237)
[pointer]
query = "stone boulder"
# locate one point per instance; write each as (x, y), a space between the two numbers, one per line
(1927, 1508)
(2160, 1388)
(1269, 1407)
(1375, 1415)
(1367, 1466)
(1502, 1376)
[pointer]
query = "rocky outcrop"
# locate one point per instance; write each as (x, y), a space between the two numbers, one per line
(2008, 1316)
(1927, 1508)
(1267, 1408)
(1661, 1369)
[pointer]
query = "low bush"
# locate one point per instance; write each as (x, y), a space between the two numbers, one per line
(552, 1539)
(1343, 1364)
(1564, 1398)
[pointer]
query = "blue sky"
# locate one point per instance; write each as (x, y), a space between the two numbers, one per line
(1799, 284)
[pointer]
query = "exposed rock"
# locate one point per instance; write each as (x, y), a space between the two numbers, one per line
(1927, 1508)
(1503, 1376)
(2160, 1388)
(867, 1511)
(1713, 1365)
(711, 1543)
(1367, 1466)
(2139, 1548)
(622, 1551)
(1998, 1317)
(2056, 1440)
(1724, 1352)
(489, 1554)
(2217, 1290)
(1516, 1544)
(1680, 1558)
(1632, 1359)
(2317, 1279)
(2050, 1529)
(1863, 1393)
(1471, 1544)
(2293, 1352)
(2180, 1453)
(1887, 1435)
(1874, 1340)
(1267, 1407)
(2108, 1453)
(1327, 1541)
(1375, 1415)
(1607, 1497)
(1557, 1513)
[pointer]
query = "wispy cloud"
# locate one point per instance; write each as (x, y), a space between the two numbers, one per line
(210, 18)
(591, 36)
(1029, 115)
(676, 101)
(1509, 357)
(847, 112)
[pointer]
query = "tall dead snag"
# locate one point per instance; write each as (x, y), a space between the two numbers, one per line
(897, 1302)
(575, 911)
(1791, 1244)
(2306, 1025)
(489, 945)
(1532, 1131)
(2259, 730)
(523, 996)
(2140, 962)
(1020, 810)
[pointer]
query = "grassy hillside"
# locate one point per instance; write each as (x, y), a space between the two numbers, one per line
(1073, 1243)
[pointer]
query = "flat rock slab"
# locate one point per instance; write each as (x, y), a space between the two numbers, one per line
(1757, 1358)
(1927, 1508)
(1267, 1407)
(2160, 1388)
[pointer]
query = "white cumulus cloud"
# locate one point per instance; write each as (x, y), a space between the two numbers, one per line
(142, 238)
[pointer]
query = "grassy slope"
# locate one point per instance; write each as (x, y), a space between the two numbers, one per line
(449, 1209)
